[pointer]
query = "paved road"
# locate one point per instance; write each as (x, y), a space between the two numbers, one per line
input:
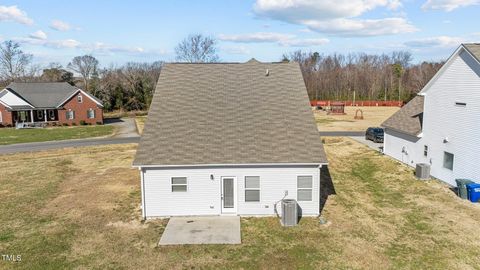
(127, 136)
(31, 147)
(342, 133)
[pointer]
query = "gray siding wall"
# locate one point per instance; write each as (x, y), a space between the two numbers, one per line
(203, 194)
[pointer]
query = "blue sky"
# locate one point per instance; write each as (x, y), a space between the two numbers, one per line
(120, 31)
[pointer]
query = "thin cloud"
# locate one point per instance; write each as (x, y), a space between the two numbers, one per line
(269, 37)
(14, 14)
(448, 5)
(439, 42)
(38, 35)
(258, 37)
(60, 25)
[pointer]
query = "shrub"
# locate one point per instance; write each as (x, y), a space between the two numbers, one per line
(83, 123)
(65, 124)
(74, 124)
(99, 123)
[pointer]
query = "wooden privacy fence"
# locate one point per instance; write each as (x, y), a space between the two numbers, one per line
(368, 103)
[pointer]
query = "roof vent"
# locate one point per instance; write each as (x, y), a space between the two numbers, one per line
(267, 72)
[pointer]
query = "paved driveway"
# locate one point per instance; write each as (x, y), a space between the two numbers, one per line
(126, 127)
(373, 145)
(202, 230)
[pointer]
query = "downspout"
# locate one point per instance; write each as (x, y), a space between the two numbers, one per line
(142, 184)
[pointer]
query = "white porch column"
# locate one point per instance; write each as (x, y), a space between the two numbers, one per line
(31, 115)
(45, 115)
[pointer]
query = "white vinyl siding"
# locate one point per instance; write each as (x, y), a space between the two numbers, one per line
(252, 188)
(304, 188)
(90, 113)
(447, 126)
(179, 184)
(204, 192)
(70, 115)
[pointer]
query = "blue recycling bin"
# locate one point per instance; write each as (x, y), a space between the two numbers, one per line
(473, 192)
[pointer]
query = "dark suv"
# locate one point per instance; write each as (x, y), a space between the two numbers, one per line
(375, 134)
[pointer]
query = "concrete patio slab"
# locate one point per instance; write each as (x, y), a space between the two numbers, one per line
(202, 230)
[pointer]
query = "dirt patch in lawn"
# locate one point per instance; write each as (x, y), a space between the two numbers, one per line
(79, 208)
(373, 117)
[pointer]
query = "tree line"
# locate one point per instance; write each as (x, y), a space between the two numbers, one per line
(368, 76)
(131, 86)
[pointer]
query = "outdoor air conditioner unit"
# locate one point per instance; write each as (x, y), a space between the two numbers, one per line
(289, 213)
(422, 171)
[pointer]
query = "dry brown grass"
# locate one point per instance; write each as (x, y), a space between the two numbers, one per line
(140, 122)
(79, 208)
(373, 117)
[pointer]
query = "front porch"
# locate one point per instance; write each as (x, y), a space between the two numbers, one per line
(35, 118)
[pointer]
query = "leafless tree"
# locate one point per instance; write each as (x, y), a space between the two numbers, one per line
(370, 76)
(86, 66)
(13, 61)
(197, 49)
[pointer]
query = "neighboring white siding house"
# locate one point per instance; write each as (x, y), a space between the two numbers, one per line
(214, 143)
(450, 129)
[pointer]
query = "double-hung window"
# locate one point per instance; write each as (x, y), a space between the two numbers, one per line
(90, 113)
(252, 188)
(425, 150)
(304, 188)
(79, 98)
(70, 115)
(179, 184)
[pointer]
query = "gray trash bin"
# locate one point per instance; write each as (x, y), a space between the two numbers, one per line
(462, 187)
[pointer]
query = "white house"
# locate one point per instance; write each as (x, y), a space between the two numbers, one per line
(441, 126)
(229, 138)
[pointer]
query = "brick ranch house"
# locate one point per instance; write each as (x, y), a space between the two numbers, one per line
(50, 103)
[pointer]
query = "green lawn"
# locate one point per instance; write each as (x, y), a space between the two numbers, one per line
(11, 135)
(79, 208)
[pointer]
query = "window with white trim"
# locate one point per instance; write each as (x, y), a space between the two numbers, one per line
(252, 188)
(179, 184)
(448, 160)
(70, 115)
(79, 98)
(304, 188)
(39, 114)
(1, 118)
(90, 113)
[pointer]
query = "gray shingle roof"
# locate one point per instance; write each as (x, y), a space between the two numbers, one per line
(43, 95)
(230, 113)
(409, 119)
(474, 49)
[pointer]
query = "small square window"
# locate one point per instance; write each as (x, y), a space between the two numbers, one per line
(179, 184)
(448, 160)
